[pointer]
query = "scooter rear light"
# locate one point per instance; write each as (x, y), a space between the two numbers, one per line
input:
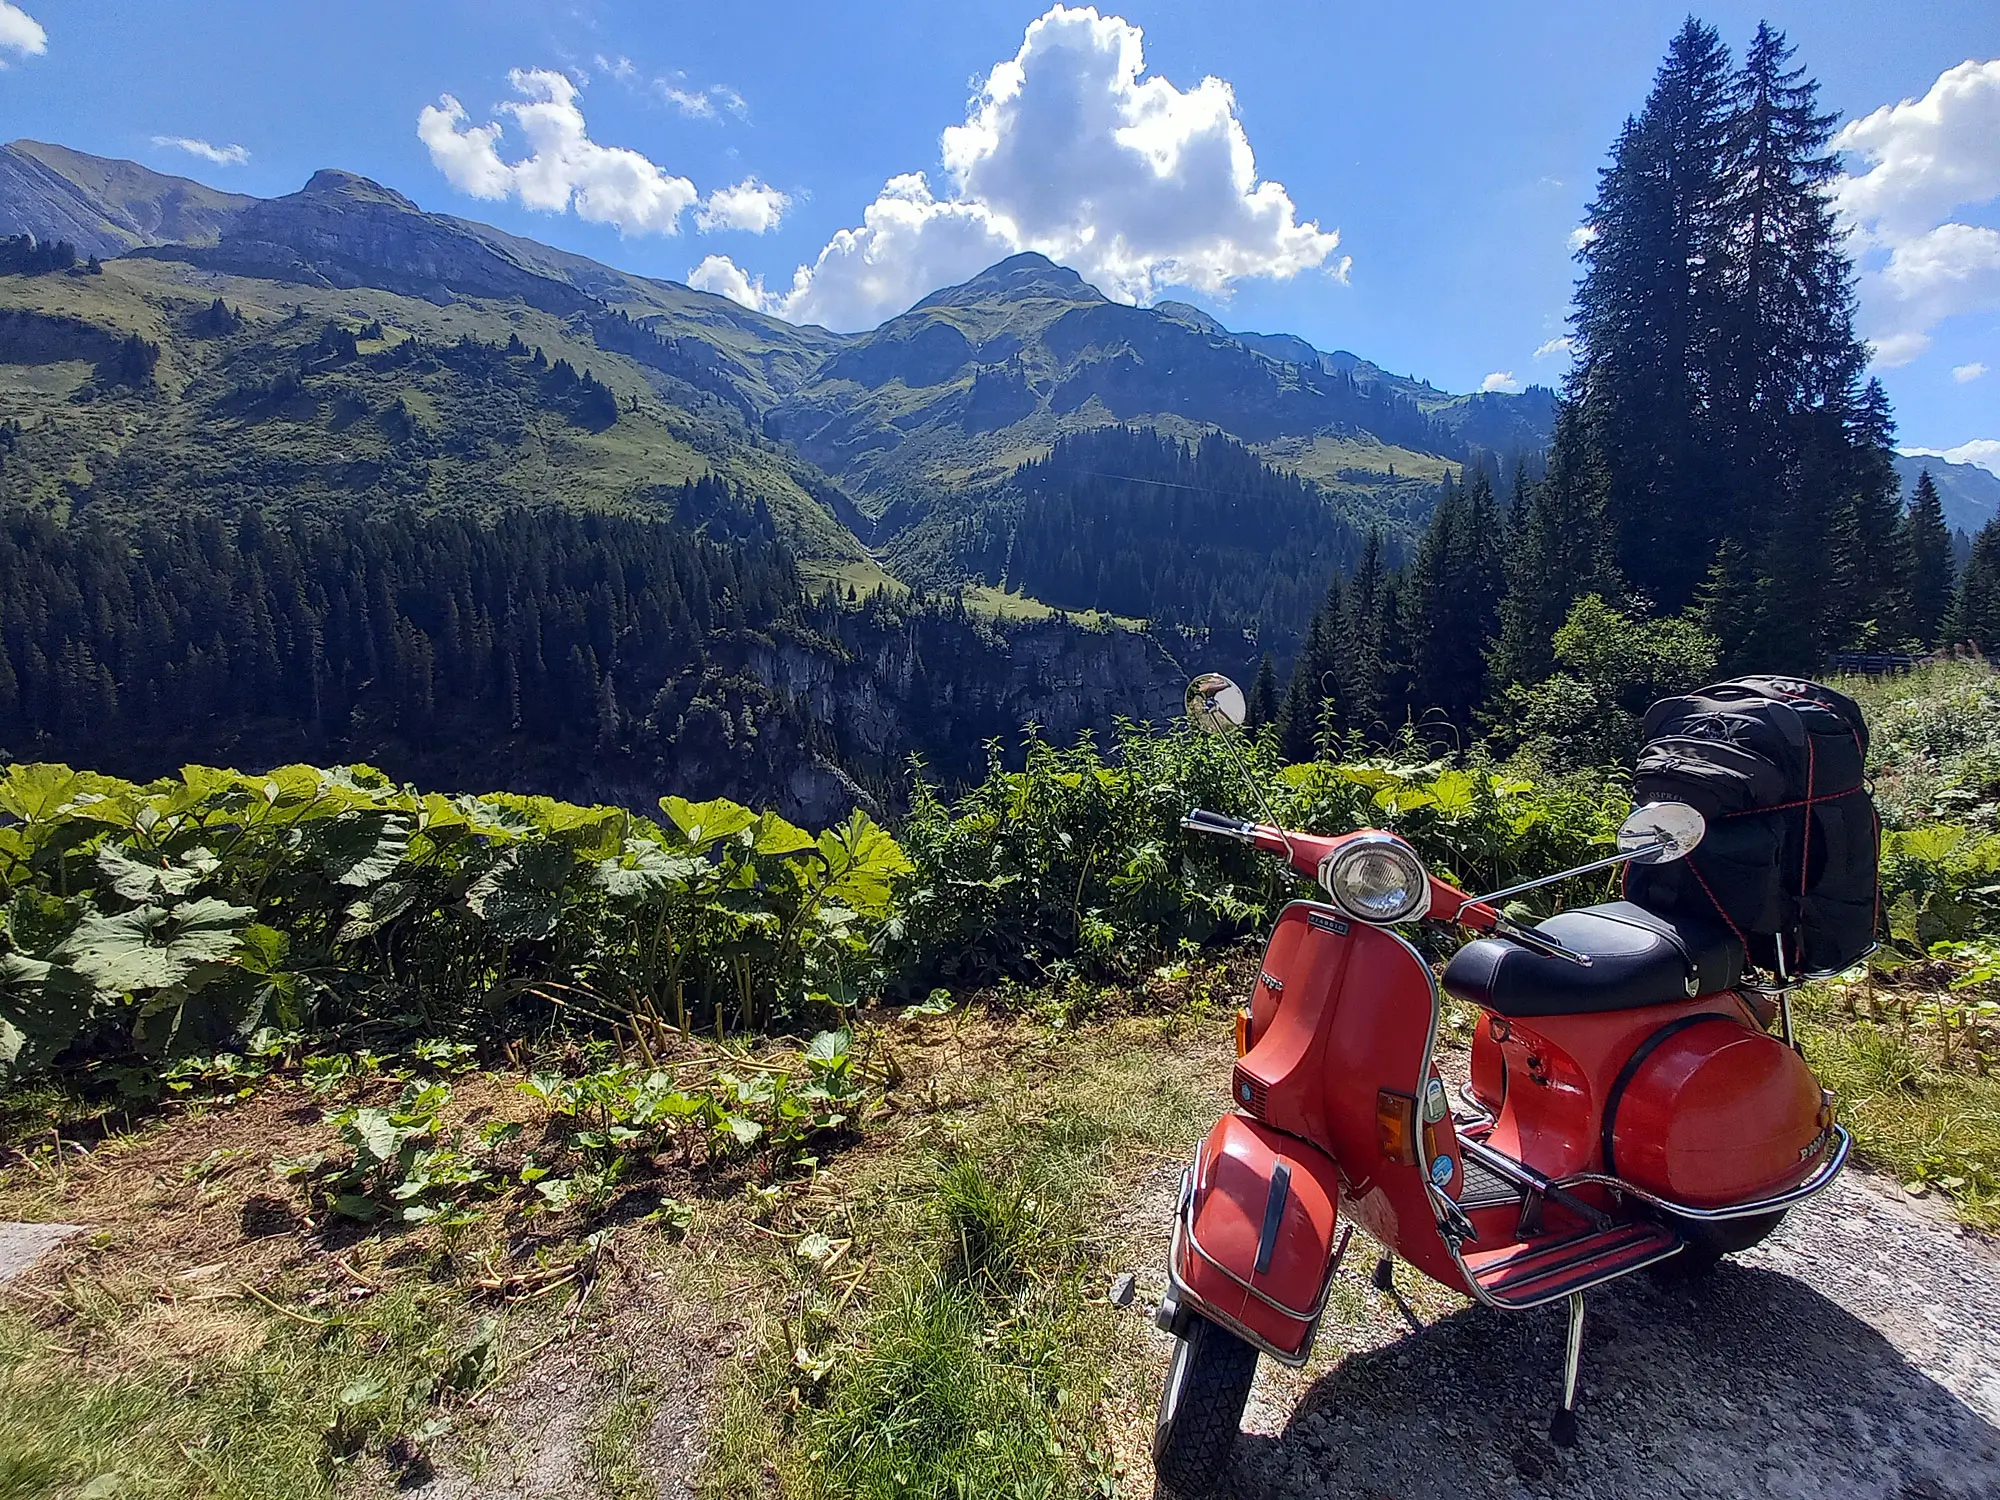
(1395, 1127)
(1252, 1095)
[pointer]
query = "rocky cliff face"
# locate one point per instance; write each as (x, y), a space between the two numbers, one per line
(816, 727)
(945, 688)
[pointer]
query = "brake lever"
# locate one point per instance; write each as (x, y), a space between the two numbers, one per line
(1536, 943)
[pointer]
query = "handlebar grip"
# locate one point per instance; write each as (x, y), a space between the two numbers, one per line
(1200, 820)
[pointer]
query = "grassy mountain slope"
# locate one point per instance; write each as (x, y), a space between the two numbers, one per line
(980, 378)
(913, 419)
(216, 424)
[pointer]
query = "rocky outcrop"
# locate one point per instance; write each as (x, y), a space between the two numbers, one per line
(343, 230)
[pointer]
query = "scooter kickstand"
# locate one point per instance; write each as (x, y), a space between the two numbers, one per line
(1385, 1273)
(1562, 1428)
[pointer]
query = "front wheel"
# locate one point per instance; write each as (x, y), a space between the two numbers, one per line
(1201, 1408)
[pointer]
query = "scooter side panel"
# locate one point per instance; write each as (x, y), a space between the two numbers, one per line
(1257, 1240)
(1357, 1015)
(1715, 1114)
(1560, 1070)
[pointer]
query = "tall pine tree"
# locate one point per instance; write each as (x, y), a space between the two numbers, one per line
(1924, 545)
(1648, 314)
(1557, 552)
(1975, 609)
(1319, 686)
(1451, 601)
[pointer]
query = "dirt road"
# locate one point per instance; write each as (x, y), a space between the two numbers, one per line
(1856, 1354)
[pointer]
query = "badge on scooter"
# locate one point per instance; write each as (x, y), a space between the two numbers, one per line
(1441, 1170)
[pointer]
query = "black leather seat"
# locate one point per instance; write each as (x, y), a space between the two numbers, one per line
(1637, 958)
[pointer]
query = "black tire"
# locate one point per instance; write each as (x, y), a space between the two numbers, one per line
(1201, 1408)
(1708, 1243)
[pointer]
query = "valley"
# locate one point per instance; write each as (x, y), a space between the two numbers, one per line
(340, 352)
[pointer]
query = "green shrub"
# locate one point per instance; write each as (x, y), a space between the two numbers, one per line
(183, 915)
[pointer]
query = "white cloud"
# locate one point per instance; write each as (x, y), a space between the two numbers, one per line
(750, 205)
(620, 68)
(696, 105)
(1068, 150)
(1582, 235)
(1952, 269)
(21, 32)
(1982, 451)
(1564, 345)
(1926, 156)
(700, 104)
(1924, 159)
(1502, 381)
(222, 156)
(565, 168)
(1964, 373)
(721, 275)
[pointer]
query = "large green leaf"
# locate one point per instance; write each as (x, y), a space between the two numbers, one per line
(360, 848)
(864, 862)
(42, 1008)
(771, 834)
(39, 792)
(643, 869)
(150, 877)
(593, 832)
(521, 897)
(704, 823)
(152, 947)
(377, 910)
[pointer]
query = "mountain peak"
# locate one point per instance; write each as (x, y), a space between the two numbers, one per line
(1018, 278)
(333, 182)
(1187, 312)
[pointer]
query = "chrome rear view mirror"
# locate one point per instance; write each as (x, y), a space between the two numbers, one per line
(1216, 704)
(1661, 832)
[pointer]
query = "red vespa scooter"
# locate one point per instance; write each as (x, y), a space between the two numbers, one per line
(1627, 1104)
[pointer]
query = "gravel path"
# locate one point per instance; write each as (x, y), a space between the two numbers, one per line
(21, 1245)
(1854, 1354)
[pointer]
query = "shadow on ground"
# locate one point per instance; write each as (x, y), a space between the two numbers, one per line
(1747, 1383)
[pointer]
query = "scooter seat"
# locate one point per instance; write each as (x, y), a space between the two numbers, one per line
(1637, 958)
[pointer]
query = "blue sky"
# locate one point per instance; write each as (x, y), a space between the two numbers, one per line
(1451, 146)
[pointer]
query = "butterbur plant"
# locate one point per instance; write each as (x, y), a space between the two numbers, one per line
(633, 1111)
(138, 923)
(404, 1165)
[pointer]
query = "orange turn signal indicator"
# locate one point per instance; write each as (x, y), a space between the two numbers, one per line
(1242, 1031)
(1395, 1126)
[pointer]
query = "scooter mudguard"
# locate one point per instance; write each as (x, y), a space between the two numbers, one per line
(1253, 1248)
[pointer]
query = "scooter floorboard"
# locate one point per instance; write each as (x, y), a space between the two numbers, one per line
(1542, 1270)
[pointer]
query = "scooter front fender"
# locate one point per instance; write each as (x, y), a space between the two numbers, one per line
(1254, 1233)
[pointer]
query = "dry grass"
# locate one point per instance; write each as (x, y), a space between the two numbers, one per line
(1920, 1093)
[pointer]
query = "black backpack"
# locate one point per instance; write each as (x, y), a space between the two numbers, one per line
(1777, 765)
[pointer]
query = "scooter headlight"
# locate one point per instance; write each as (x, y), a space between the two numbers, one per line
(1377, 878)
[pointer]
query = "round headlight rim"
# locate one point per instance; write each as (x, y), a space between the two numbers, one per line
(1365, 843)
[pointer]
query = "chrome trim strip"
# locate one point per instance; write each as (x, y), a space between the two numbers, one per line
(1522, 1175)
(1829, 1169)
